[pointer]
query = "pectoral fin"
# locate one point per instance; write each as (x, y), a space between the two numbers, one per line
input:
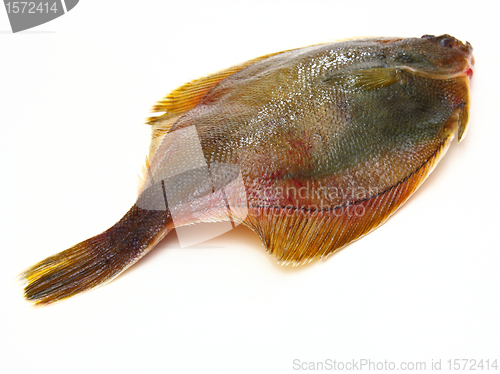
(367, 79)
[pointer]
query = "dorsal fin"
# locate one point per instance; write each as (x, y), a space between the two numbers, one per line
(297, 236)
(186, 97)
(183, 99)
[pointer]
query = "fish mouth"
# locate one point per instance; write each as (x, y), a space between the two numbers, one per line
(467, 48)
(469, 73)
(447, 41)
(470, 64)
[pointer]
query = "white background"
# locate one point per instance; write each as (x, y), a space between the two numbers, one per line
(74, 94)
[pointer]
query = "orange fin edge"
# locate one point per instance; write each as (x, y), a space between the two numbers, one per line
(180, 101)
(297, 237)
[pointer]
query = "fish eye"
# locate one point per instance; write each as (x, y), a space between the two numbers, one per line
(446, 42)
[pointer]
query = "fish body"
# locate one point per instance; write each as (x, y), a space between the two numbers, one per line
(311, 148)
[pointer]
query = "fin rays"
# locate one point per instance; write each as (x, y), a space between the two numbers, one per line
(180, 101)
(297, 236)
(96, 260)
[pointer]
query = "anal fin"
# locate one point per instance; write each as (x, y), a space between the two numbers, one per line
(296, 236)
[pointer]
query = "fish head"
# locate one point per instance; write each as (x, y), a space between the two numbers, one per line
(447, 62)
(439, 56)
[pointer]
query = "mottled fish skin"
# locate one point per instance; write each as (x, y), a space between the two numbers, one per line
(286, 118)
(327, 142)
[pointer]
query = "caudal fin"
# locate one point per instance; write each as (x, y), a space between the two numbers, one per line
(96, 260)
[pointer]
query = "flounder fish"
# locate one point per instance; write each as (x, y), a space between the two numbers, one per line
(311, 148)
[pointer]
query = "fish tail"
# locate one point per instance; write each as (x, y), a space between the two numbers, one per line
(96, 260)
